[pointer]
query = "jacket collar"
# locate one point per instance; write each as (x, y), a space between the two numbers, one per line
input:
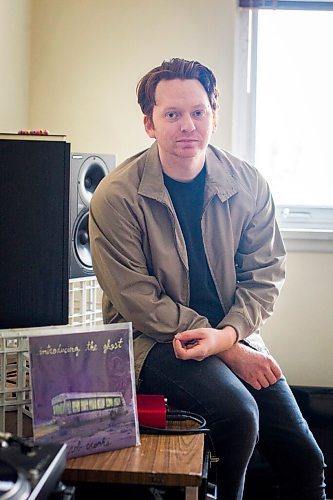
(220, 180)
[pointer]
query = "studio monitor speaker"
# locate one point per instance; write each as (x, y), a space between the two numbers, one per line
(34, 223)
(87, 170)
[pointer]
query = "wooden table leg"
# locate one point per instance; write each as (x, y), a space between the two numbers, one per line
(191, 493)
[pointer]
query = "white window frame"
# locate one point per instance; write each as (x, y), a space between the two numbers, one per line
(304, 228)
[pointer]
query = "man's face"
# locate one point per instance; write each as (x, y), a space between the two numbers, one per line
(183, 120)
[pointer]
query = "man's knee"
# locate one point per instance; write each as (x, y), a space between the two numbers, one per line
(310, 457)
(246, 418)
(241, 421)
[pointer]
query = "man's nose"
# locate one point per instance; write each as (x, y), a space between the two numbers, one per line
(187, 123)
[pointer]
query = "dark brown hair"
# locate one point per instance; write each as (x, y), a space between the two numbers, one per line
(170, 70)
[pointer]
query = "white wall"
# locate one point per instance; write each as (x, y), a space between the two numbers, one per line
(88, 55)
(300, 332)
(86, 59)
(14, 64)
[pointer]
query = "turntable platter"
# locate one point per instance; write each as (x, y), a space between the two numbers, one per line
(13, 485)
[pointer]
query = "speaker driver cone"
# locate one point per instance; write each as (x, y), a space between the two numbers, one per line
(91, 173)
(81, 241)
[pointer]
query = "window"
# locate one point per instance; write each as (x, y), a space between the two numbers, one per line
(283, 112)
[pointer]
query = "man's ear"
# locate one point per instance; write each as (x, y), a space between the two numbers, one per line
(149, 126)
(215, 120)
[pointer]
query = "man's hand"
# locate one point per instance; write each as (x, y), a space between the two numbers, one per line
(200, 343)
(256, 368)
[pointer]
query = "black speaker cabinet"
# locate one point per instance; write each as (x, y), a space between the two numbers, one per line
(87, 170)
(34, 223)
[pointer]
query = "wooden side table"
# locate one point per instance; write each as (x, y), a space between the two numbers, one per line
(173, 460)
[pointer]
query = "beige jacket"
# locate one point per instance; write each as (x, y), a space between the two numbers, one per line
(140, 258)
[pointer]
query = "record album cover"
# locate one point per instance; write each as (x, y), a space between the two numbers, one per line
(83, 388)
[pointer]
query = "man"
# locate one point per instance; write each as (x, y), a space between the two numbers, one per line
(185, 245)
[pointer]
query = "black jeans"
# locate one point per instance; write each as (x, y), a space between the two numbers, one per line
(239, 418)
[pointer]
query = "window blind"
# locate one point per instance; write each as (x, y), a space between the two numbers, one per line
(287, 4)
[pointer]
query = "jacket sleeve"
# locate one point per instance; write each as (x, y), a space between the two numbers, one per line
(259, 264)
(121, 269)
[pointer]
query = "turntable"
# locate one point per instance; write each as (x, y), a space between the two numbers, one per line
(27, 470)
